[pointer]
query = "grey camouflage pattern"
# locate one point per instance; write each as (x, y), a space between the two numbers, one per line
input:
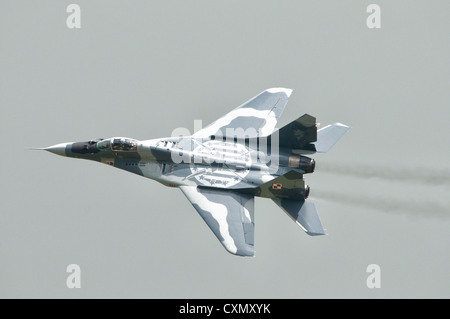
(224, 166)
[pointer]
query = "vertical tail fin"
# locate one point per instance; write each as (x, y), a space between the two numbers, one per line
(329, 135)
(299, 133)
(302, 134)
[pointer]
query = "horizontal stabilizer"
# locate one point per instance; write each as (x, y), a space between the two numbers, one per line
(290, 185)
(304, 214)
(329, 135)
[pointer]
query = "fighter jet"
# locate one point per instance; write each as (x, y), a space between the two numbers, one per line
(222, 167)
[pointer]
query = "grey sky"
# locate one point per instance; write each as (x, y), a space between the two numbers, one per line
(143, 68)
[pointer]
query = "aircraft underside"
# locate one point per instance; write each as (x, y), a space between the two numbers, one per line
(224, 166)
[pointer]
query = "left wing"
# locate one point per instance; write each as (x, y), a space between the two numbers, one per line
(230, 216)
(256, 117)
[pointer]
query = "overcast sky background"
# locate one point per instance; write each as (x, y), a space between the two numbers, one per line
(143, 68)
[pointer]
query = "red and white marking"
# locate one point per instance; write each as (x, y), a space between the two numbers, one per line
(277, 186)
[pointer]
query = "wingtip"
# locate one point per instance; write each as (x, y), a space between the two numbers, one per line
(288, 92)
(342, 125)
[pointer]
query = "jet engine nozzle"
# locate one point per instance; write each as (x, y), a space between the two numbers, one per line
(303, 162)
(307, 189)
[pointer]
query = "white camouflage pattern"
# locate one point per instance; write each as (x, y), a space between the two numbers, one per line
(223, 167)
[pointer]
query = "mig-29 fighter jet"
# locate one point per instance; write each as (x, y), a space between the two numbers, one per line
(222, 168)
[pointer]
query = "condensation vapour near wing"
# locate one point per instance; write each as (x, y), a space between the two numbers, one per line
(439, 176)
(413, 207)
(391, 202)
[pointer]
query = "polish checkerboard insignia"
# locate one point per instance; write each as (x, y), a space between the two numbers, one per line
(277, 186)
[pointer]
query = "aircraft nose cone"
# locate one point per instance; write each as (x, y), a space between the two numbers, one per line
(58, 149)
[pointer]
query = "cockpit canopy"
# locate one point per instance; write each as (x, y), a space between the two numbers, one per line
(118, 144)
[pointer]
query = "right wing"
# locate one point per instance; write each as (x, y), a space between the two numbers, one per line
(256, 117)
(230, 216)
